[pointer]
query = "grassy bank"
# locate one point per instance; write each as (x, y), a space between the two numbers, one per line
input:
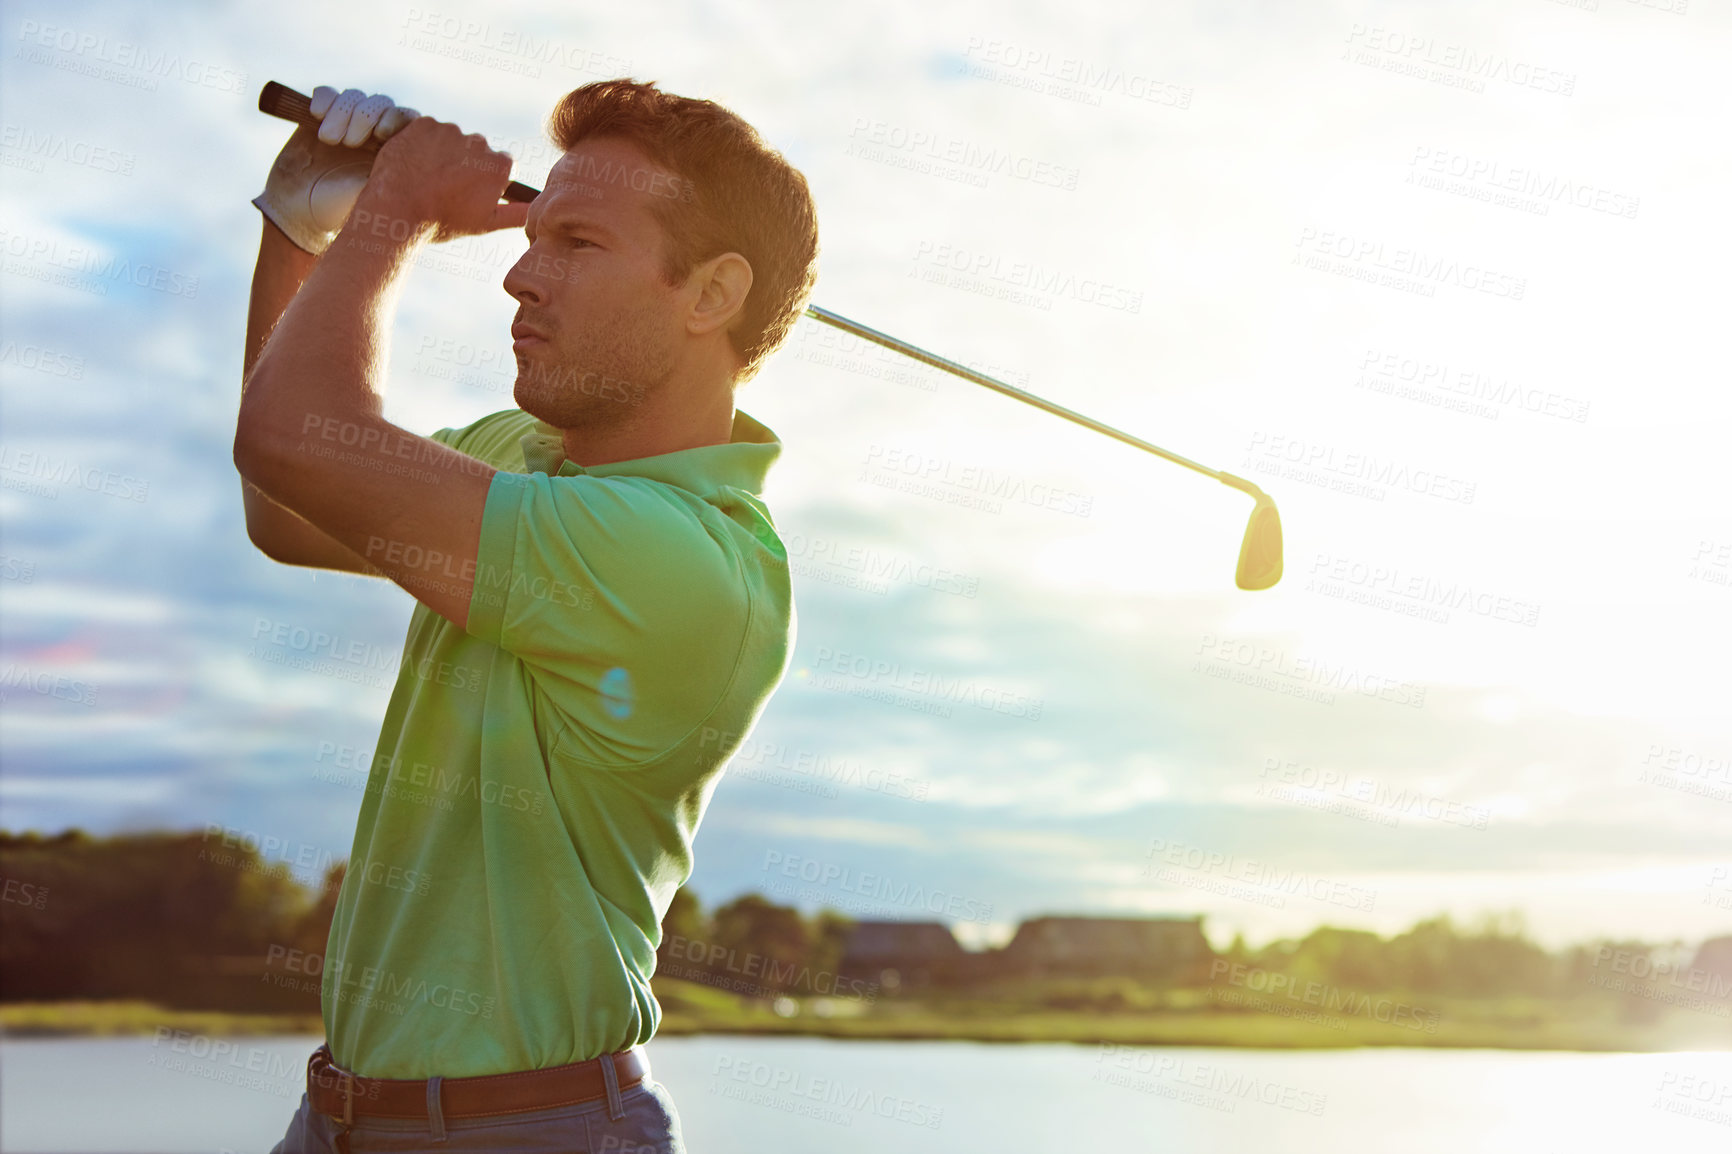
(71, 1019)
(1171, 1018)
(1194, 1018)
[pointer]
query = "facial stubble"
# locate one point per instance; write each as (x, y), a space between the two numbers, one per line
(596, 374)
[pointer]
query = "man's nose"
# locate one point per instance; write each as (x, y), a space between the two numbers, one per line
(522, 284)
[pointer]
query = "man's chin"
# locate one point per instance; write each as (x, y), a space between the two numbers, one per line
(530, 399)
(551, 405)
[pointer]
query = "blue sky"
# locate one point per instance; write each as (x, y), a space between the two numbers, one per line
(1444, 282)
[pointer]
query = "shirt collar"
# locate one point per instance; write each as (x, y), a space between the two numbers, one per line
(742, 463)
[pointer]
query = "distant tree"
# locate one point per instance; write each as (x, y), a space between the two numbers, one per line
(1352, 959)
(1494, 959)
(312, 931)
(139, 915)
(780, 937)
(685, 918)
(830, 932)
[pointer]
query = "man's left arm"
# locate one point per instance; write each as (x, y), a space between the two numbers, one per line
(311, 433)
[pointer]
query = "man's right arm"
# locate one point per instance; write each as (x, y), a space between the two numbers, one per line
(279, 533)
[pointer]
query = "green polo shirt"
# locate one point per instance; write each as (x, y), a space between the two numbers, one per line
(540, 776)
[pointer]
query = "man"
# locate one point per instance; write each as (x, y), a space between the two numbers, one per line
(601, 591)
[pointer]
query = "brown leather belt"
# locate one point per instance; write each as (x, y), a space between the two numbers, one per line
(333, 1091)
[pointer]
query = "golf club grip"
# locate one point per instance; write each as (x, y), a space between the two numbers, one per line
(285, 103)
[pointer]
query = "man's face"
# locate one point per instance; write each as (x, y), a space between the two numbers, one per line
(591, 285)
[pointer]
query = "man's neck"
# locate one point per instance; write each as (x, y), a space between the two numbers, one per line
(678, 425)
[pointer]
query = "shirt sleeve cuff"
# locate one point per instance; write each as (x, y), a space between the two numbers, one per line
(495, 554)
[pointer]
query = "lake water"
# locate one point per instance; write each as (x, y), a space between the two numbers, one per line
(735, 1095)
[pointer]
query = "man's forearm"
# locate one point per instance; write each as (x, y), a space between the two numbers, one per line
(281, 270)
(325, 357)
(279, 532)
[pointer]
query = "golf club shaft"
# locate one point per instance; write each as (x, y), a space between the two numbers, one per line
(968, 374)
(284, 102)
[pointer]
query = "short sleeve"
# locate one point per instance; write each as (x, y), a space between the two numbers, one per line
(625, 599)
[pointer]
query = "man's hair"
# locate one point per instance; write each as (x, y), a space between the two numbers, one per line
(732, 193)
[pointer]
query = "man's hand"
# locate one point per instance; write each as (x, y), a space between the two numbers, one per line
(319, 173)
(432, 181)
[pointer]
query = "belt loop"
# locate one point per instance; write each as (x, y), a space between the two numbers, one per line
(610, 1077)
(343, 1125)
(435, 1113)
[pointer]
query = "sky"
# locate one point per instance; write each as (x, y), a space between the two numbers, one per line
(1446, 282)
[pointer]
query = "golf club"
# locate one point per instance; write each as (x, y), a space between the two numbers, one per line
(1260, 552)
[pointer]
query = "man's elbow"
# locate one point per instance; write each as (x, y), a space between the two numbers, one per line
(246, 455)
(250, 463)
(263, 440)
(260, 460)
(264, 544)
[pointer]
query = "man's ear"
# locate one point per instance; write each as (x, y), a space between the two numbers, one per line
(722, 284)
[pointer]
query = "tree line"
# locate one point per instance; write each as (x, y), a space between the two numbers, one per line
(194, 920)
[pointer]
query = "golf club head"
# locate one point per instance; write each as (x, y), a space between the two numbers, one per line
(1260, 553)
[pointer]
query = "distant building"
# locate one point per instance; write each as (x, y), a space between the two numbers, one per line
(914, 955)
(1155, 948)
(902, 955)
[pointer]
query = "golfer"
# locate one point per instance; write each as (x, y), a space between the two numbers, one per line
(602, 593)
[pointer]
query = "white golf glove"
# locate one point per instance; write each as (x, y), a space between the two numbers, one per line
(318, 175)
